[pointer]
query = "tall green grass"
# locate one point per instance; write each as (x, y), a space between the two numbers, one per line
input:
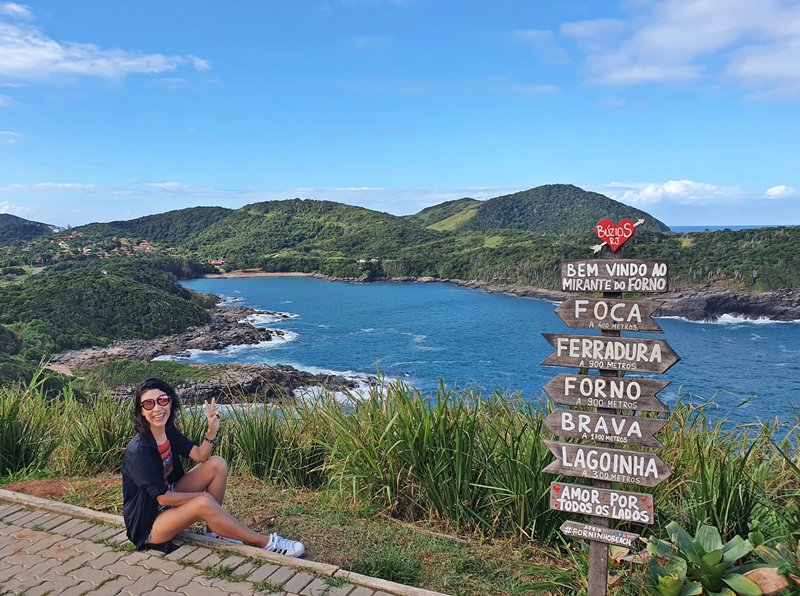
(471, 463)
(97, 432)
(736, 479)
(30, 428)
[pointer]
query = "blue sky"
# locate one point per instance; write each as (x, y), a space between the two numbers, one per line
(113, 109)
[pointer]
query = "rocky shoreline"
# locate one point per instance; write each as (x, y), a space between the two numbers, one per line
(705, 303)
(228, 327)
(702, 303)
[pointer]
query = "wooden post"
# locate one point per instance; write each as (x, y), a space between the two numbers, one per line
(598, 551)
(604, 461)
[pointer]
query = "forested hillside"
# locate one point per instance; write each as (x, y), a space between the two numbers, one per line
(16, 229)
(92, 303)
(171, 228)
(515, 239)
(554, 209)
(119, 280)
(305, 235)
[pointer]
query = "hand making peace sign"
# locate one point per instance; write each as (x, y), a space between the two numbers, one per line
(212, 416)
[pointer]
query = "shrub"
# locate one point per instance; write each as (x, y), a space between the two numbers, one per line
(30, 425)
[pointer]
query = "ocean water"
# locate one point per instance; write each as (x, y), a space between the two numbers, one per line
(424, 333)
(717, 228)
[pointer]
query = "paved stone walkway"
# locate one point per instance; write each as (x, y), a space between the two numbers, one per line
(45, 552)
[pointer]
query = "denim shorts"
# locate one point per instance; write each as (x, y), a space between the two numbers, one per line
(170, 489)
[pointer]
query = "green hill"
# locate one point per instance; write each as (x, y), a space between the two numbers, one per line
(304, 235)
(15, 229)
(90, 303)
(554, 209)
(436, 216)
(172, 227)
(516, 239)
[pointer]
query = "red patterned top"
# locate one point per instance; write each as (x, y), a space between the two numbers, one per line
(165, 451)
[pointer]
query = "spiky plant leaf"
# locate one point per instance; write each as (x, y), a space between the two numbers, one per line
(713, 558)
(680, 538)
(709, 539)
(736, 548)
(741, 585)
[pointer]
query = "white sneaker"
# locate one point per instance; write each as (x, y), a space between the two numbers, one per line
(216, 536)
(284, 546)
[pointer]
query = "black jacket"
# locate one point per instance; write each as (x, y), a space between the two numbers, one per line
(143, 481)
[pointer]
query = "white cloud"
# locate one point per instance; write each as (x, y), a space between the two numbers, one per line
(672, 191)
(198, 63)
(507, 84)
(753, 44)
(28, 53)
(780, 191)
(166, 186)
(6, 101)
(9, 138)
(17, 11)
(6, 207)
(590, 35)
(533, 88)
(48, 186)
(544, 43)
(349, 189)
(63, 186)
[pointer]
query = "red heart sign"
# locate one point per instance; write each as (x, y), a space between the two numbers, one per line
(556, 488)
(614, 234)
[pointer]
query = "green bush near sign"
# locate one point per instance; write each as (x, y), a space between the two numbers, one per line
(700, 564)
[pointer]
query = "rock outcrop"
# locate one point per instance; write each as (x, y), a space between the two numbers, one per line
(227, 328)
(708, 304)
(238, 383)
(225, 382)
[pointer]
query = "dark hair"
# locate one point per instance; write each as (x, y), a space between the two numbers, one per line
(139, 421)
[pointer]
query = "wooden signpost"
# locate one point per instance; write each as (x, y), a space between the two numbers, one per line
(609, 314)
(601, 502)
(607, 392)
(606, 428)
(602, 461)
(614, 275)
(610, 353)
(598, 534)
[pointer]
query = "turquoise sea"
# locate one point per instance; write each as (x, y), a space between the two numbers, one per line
(422, 333)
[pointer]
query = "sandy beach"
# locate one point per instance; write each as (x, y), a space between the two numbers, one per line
(255, 273)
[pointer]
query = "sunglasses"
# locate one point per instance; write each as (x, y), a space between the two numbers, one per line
(150, 403)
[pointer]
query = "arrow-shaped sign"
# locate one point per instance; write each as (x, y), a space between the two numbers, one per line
(602, 502)
(610, 353)
(598, 534)
(605, 428)
(602, 463)
(613, 275)
(609, 315)
(607, 392)
(614, 242)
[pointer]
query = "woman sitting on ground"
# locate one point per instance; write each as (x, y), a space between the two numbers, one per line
(160, 500)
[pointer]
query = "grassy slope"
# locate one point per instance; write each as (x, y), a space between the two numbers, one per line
(431, 215)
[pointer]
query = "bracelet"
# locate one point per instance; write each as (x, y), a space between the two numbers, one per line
(212, 441)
